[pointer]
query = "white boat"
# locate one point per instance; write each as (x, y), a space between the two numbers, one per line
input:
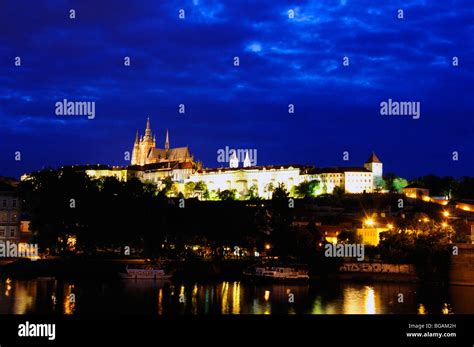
(277, 272)
(145, 273)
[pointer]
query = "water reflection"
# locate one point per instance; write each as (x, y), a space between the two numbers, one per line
(166, 297)
(421, 309)
(69, 305)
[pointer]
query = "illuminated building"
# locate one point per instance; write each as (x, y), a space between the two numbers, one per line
(351, 179)
(416, 191)
(370, 236)
(145, 150)
(154, 165)
(262, 178)
(374, 165)
(104, 171)
(9, 214)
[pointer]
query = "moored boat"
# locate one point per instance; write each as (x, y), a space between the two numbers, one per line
(145, 273)
(278, 272)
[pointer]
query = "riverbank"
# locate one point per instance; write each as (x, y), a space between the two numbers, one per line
(195, 269)
(108, 268)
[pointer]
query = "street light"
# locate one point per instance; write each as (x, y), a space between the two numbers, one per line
(444, 224)
(370, 222)
(267, 246)
(446, 213)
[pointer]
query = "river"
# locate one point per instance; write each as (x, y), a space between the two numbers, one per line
(48, 295)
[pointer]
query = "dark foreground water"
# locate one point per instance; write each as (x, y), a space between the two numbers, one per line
(167, 297)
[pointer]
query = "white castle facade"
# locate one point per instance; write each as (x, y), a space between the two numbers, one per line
(151, 164)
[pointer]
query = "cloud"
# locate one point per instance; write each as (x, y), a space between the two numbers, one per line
(254, 47)
(190, 61)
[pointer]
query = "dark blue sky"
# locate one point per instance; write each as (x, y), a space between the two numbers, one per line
(282, 61)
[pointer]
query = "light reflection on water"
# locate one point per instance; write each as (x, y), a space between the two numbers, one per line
(234, 297)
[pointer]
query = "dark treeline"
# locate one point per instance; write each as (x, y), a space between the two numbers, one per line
(107, 213)
(462, 188)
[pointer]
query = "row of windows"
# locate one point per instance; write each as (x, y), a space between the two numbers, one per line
(332, 181)
(364, 174)
(5, 203)
(348, 181)
(8, 217)
(348, 174)
(10, 230)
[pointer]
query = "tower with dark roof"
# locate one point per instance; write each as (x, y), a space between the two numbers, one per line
(375, 165)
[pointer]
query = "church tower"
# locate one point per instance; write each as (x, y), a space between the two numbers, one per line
(136, 152)
(146, 144)
(233, 160)
(247, 162)
(167, 144)
(375, 165)
(143, 146)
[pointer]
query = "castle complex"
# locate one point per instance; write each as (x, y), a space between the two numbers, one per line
(152, 164)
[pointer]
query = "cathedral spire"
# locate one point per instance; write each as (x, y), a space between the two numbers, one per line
(136, 138)
(148, 129)
(167, 141)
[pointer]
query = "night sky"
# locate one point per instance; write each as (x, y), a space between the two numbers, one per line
(282, 60)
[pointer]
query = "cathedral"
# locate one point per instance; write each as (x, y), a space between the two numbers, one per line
(145, 151)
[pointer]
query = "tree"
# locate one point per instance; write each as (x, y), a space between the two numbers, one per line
(464, 189)
(379, 184)
(338, 192)
(189, 189)
(167, 186)
(348, 236)
(228, 194)
(306, 189)
(269, 188)
(421, 241)
(201, 190)
(281, 221)
(280, 193)
(395, 247)
(394, 183)
(388, 178)
(252, 193)
(399, 183)
(438, 186)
